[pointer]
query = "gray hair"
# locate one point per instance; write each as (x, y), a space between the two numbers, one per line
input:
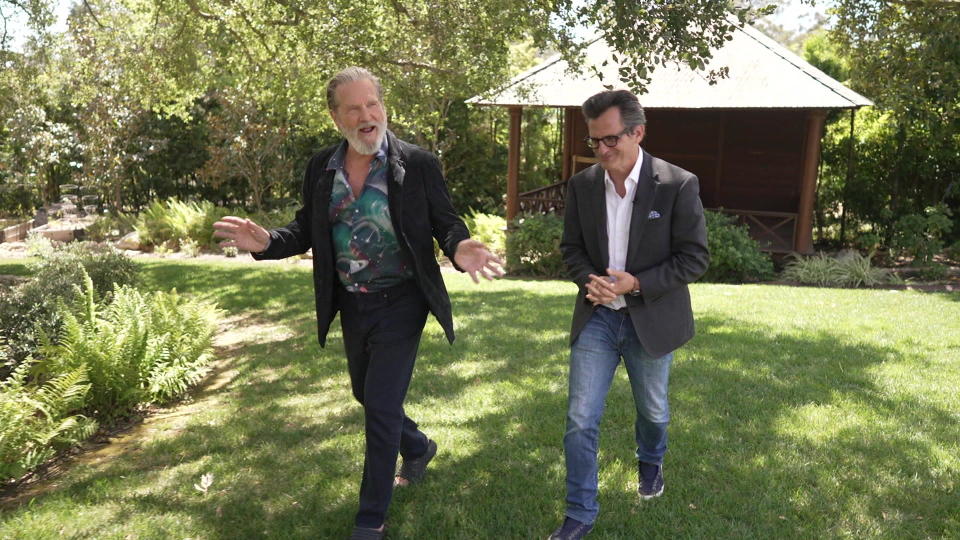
(348, 75)
(630, 110)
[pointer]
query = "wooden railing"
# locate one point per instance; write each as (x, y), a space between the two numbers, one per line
(545, 200)
(774, 231)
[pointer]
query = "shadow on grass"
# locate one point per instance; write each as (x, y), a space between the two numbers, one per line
(772, 435)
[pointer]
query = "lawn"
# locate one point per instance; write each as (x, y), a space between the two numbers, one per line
(797, 413)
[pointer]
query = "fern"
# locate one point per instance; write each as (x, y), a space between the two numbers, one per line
(139, 348)
(35, 420)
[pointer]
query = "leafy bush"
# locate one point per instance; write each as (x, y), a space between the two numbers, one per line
(933, 271)
(953, 252)
(533, 246)
(851, 269)
(137, 348)
(106, 266)
(921, 236)
(489, 229)
(170, 224)
(173, 220)
(34, 304)
(734, 255)
(189, 247)
(35, 420)
(110, 227)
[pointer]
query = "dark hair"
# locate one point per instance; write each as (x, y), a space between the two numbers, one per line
(346, 75)
(630, 110)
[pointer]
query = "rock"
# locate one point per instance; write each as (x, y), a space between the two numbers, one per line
(129, 242)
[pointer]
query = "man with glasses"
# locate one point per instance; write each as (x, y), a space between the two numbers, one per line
(634, 236)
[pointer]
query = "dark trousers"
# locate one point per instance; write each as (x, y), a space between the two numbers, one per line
(381, 334)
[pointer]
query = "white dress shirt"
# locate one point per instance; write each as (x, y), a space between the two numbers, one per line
(619, 211)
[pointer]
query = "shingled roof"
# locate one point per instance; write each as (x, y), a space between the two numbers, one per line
(763, 75)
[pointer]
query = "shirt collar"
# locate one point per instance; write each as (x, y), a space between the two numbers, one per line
(340, 154)
(633, 177)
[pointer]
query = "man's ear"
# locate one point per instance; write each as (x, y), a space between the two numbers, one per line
(640, 131)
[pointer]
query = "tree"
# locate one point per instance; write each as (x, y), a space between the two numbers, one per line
(906, 151)
(656, 33)
(248, 144)
(905, 55)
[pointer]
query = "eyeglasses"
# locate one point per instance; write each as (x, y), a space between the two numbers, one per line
(610, 140)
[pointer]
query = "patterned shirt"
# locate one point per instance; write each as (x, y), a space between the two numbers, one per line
(369, 256)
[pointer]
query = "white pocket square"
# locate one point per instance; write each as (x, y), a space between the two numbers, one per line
(653, 215)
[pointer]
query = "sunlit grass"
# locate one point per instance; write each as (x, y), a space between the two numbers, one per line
(797, 413)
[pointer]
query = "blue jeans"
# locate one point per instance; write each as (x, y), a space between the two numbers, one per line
(607, 337)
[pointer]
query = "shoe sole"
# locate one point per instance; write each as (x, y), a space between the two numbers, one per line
(648, 497)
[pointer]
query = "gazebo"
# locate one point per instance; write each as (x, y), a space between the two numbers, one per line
(753, 138)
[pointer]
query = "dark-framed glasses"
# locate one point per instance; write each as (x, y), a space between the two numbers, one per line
(609, 141)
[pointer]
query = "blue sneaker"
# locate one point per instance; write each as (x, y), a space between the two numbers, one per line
(651, 480)
(571, 530)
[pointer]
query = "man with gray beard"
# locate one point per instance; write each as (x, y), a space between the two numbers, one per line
(372, 206)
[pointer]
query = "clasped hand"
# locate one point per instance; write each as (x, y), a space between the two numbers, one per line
(605, 289)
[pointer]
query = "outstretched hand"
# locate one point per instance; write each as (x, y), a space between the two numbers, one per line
(242, 234)
(474, 257)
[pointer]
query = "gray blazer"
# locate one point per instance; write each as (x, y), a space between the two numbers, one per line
(667, 249)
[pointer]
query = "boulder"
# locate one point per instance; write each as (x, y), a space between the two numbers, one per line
(130, 242)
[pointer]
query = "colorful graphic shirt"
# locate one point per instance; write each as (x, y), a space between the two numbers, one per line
(369, 256)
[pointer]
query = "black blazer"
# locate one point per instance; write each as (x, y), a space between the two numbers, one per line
(667, 249)
(420, 210)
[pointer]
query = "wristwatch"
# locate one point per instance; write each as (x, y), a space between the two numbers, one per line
(636, 290)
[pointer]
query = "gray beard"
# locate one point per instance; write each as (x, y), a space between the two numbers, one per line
(362, 148)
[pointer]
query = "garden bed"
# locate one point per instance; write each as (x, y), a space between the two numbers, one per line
(65, 230)
(12, 230)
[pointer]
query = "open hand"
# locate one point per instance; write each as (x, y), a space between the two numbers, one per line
(241, 233)
(474, 257)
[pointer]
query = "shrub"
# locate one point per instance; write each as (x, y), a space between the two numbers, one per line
(817, 270)
(533, 246)
(189, 247)
(953, 251)
(138, 348)
(106, 266)
(489, 229)
(851, 269)
(173, 220)
(933, 271)
(33, 305)
(921, 236)
(734, 255)
(35, 419)
(166, 225)
(110, 227)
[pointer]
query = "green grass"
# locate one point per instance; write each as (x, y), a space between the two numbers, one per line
(797, 413)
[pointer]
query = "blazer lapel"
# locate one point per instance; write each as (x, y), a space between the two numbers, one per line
(598, 200)
(647, 185)
(396, 173)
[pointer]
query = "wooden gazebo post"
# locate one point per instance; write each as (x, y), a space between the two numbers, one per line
(808, 187)
(513, 164)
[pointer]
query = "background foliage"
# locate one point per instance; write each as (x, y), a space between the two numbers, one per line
(734, 256)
